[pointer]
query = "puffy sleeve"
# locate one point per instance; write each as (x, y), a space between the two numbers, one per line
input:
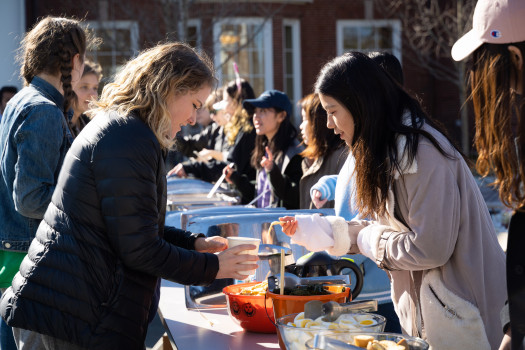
(325, 185)
(125, 165)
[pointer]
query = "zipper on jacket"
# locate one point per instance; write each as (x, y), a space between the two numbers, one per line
(451, 313)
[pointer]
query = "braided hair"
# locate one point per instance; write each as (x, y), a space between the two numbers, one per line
(50, 47)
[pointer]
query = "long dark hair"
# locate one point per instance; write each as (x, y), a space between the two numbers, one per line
(323, 140)
(284, 137)
(377, 104)
(389, 63)
(500, 117)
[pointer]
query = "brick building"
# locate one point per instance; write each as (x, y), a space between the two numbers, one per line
(276, 44)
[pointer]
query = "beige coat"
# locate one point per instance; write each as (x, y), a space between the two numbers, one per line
(447, 268)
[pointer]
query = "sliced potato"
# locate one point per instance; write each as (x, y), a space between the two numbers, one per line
(388, 343)
(363, 340)
(375, 345)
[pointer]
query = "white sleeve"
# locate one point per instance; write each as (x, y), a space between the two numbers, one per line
(364, 244)
(316, 233)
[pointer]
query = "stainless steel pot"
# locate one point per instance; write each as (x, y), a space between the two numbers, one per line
(184, 194)
(252, 223)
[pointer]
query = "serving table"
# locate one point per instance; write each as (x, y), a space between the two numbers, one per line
(205, 328)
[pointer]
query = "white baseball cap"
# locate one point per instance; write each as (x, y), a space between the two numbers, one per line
(494, 22)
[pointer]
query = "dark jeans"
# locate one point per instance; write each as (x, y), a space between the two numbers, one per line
(392, 321)
(7, 341)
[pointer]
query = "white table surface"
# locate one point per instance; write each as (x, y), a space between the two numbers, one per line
(207, 329)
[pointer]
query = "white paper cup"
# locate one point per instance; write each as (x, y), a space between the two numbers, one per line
(235, 241)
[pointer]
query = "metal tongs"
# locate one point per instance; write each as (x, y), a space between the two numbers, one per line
(332, 310)
(219, 182)
(291, 280)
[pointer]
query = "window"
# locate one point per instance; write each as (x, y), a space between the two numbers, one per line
(248, 42)
(119, 44)
(292, 64)
(193, 33)
(369, 35)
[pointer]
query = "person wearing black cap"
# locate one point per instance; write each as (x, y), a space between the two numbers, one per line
(276, 155)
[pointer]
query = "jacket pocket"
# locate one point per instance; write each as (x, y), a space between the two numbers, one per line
(450, 321)
(112, 296)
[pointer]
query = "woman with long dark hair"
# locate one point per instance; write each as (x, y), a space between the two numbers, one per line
(496, 47)
(324, 153)
(276, 155)
(430, 228)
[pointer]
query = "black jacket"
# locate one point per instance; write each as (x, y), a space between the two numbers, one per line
(210, 170)
(240, 154)
(91, 271)
(284, 178)
(516, 279)
(210, 137)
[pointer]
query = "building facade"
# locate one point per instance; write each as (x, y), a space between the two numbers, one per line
(276, 44)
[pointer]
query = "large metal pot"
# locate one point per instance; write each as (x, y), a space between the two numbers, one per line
(251, 223)
(187, 193)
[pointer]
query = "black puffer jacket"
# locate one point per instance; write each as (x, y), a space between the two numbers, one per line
(91, 271)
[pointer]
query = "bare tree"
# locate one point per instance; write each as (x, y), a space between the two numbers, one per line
(430, 28)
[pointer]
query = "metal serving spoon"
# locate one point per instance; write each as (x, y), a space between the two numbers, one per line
(331, 310)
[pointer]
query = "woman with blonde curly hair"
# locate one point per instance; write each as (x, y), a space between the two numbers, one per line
(91, 279)
(235, 145)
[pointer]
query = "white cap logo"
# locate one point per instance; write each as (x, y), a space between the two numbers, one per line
(495, 34)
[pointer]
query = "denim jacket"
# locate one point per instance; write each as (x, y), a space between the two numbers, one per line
(34, 139)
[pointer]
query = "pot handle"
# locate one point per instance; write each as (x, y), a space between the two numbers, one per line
(348, 263)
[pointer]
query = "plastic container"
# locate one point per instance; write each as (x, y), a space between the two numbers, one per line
(293, 304)
(342, 341)
(253, 313)
(290, 304)
(295, 338)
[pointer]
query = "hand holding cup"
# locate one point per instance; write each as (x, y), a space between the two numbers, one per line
(241, 255)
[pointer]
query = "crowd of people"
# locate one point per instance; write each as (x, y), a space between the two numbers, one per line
(83, 186)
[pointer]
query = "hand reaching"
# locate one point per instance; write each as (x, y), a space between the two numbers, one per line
(178, 170)
(505, 343)
(211, 244)
(207, 154)
(230, 263)
(267, 161)
(228, 171)
(289, 225)
(316, 199)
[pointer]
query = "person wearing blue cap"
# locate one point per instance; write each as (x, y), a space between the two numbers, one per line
(276, 155)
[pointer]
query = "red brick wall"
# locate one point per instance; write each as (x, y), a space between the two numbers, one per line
(318, 39)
